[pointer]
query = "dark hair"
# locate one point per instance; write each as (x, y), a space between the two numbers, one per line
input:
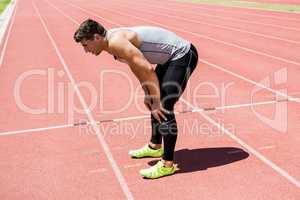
(87, 29)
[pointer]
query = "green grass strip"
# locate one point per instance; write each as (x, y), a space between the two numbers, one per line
(3, 4)
(250, 4)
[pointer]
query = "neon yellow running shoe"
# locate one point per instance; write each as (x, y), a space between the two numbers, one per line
(146, 151)
(158, 170)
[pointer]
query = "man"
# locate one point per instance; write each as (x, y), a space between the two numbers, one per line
(140, 47)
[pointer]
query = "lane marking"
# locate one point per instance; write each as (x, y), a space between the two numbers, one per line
(36, 129)
(100, 170)
(99, 135)
(266, 147)
(132, 166)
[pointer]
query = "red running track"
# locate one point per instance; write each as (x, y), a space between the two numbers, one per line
(256, 162)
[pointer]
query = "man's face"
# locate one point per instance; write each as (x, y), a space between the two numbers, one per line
(94, 46)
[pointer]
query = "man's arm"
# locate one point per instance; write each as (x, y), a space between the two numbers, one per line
(122, 48)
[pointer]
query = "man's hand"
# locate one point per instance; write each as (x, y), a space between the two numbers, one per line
(157, 111)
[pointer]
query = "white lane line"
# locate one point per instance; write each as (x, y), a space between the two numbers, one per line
(100, 136)
(216, 25)
(266, 147)
(295, 99)
(197, 35)
(236, 106)
(35, 129)
(130, 118)
(268, 162)
(8, 35)
(100, 170)
(132, 166)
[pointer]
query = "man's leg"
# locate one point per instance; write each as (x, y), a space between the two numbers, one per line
(154, 148)
(172, 86)
(156, 137)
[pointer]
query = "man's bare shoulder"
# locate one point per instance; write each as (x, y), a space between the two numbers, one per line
(121, 35)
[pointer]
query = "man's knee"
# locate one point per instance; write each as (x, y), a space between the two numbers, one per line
(170, 96)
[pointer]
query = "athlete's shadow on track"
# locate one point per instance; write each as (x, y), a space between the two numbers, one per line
(191, 160)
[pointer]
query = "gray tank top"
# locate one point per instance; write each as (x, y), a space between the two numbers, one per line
(158, 45)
